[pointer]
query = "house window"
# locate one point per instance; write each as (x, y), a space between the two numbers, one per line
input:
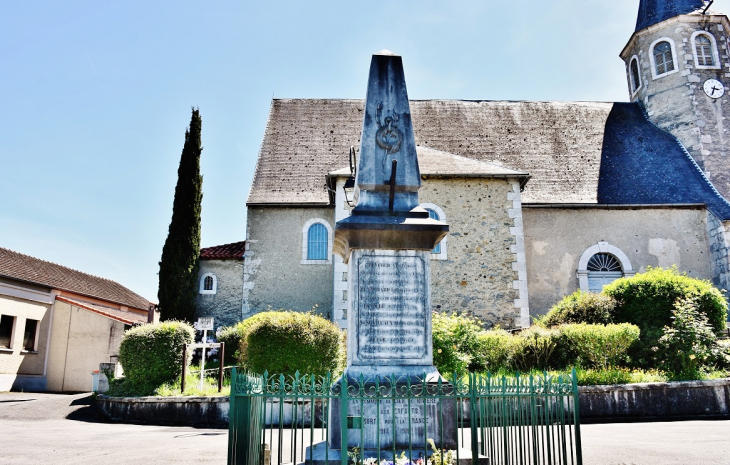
(435, 212)
(208, 284)
(316, 242)
(6, 331)
(30, 335)
(663, 59)
(634, 75)
(602, 264)
(705, 50)
(603, 268)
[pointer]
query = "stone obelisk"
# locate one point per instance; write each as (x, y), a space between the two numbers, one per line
(387, 243)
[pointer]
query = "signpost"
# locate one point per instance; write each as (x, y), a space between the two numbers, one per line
(204, 324)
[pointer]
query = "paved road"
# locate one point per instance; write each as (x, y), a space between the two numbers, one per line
(66, 429)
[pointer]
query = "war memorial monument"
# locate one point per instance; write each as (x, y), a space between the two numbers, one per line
(387, 242)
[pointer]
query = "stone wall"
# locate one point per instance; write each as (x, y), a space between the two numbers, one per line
(556, 238)
(274, 273)
(225, 305)
(676, 101)
(485, 250)
(718, 234)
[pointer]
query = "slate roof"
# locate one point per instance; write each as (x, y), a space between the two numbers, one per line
(558, 143)
(438, 163)
(33, 270)
(652, 12)
(644, 164)
(124, 316)
(233, 251)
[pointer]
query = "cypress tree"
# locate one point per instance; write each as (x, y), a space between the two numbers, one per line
(180, 254)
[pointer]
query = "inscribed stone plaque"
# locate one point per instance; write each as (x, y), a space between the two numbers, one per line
(391, 308)
(410, 419)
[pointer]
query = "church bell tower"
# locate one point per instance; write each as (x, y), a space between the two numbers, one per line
(677, 66)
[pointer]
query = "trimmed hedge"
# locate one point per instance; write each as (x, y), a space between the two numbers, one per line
(598, 346)
(494, 350)
(286, 342)
(580, 307)
(232, 336)
(151, 354)
(534, 348)
(647, 300)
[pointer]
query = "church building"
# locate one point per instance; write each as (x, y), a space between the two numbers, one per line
(542, 198)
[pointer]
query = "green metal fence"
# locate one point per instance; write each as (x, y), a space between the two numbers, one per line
(307, 419)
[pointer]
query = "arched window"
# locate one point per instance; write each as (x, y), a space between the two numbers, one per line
(705, 50)
(601, 264)
(316, 242)
(435, 212)
(208, 284)
(634, 75)
(435, 216)
(663, 58)
(603, 268)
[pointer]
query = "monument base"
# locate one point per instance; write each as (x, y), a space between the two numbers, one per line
(380, 413)
(320, 454)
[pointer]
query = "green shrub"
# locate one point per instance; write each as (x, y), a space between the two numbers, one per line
(580, 307)
(493, 350)
(617, 375)
(598, 346)
(151, 354)
(534, 348)
(722, 354)
(647, 300)
(232, 336)
(455, 343)
(687, 344)
(286, 342)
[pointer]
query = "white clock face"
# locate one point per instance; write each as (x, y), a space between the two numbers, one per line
(714, 88)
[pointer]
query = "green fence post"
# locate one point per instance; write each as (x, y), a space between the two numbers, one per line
(232, 420)
(343, 420)
(576, 419)
(473, 418)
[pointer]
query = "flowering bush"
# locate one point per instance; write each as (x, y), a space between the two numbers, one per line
(688, 343)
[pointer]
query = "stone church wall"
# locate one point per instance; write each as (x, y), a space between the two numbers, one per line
(274, 275)
(480, 275)
(719, 237)
(225, 304)
(556, 238)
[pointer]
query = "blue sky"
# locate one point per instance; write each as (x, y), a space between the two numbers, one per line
(95, 98)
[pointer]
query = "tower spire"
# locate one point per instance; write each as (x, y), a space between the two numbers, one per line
(655, 11)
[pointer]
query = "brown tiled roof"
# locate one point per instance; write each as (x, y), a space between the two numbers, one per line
(558, 143)
(124, 316)
(232, 251)
(30, 269)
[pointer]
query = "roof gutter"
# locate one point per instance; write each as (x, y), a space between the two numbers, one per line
(614, 206)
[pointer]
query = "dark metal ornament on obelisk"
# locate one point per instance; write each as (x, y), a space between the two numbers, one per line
(387, 243)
